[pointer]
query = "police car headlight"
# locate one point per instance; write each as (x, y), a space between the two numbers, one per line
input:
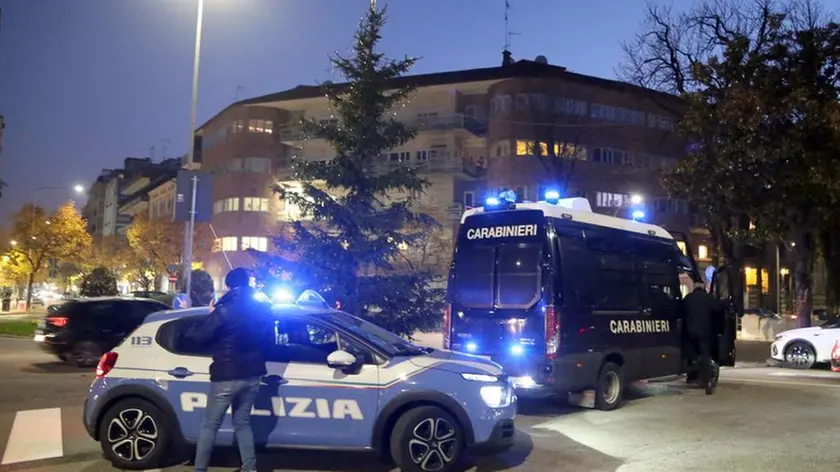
(497, 396)
(480, 378)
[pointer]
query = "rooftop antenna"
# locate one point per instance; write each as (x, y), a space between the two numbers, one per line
(239, 88)
(508, 32)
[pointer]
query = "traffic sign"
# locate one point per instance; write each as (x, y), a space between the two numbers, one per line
(181, 301)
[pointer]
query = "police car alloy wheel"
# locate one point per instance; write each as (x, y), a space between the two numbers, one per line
(133, 434)
(426, 439)
(610, 389)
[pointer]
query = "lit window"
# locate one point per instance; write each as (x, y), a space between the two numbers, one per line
(227, 204)
(255, 242)
(681, 245)
(227, 244)
(255, 204)
(260, 126)
(531, 148)
(702, 252)
(611, 200)
(569, 151)
(751, 275)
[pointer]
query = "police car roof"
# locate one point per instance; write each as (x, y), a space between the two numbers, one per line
(578, 209)
(278, 310)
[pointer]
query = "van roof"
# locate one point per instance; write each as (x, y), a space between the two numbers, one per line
(578, 209)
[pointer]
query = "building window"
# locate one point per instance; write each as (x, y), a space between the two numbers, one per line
(260, 126)
(521, 193)
(469, 199)
(500, 104)
(531, 148)
(399, 156)
(471, 111)
(611, 200)
(570, 106)
(255, 204)
(659, 121)
(569, 151)
(540, 101)
(422, 156)
(257, 164)
(671, 205)
(227, 204)
(611, 156)
(227, 244)
(237, 126)
(502, 149)
(255, 242)
(702, 252)
(521, 101)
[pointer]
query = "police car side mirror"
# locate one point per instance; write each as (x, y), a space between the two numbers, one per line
(341, 360)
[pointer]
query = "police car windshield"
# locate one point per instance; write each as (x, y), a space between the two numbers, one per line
(379, 337)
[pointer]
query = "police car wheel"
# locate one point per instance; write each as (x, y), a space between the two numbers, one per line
(426, 439)
(610, 389)
(133, 434)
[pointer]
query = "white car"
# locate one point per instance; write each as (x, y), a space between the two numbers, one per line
(801, 348)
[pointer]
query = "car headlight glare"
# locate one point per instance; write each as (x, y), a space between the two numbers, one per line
(497, 396)
(480, 378)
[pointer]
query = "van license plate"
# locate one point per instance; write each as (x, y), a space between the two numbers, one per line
(39, 338)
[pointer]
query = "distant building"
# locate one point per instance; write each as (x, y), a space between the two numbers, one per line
(113, 188)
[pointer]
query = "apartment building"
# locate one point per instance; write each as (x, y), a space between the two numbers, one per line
(477, 131)
(151, 193)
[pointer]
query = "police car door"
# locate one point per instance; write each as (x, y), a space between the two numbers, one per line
(182, 369)
(315, 404)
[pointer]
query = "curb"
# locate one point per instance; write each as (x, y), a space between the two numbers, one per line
(14, 336)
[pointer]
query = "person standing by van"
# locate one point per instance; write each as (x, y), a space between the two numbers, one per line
(700, 306)
(236, 321)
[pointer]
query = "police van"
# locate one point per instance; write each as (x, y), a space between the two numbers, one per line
(335, 382)
(568, 300)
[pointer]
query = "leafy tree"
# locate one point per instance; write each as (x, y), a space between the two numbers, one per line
(115, 254)
(159, 243)
(100, 282)
(40, 237)
(361, 213)
(201, 288)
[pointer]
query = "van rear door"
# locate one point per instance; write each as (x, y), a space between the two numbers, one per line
(497, 285)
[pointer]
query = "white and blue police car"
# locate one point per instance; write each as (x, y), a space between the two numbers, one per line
(334, 382)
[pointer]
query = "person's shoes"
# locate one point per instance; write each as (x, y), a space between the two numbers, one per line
(710, 389)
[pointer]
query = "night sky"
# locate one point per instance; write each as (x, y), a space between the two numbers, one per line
(85, 83)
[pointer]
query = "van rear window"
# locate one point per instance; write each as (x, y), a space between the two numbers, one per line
(503, 275)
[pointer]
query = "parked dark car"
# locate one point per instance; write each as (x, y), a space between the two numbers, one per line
(80, 331)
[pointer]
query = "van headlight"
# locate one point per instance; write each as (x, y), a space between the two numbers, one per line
(497, 396)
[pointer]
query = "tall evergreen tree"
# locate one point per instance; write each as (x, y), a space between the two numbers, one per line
(358, 213)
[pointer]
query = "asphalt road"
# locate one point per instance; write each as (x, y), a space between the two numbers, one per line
(761, 418)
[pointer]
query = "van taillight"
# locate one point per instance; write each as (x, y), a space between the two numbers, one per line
(57, 321)
(447, 325)
(106, 363)
(552, 333)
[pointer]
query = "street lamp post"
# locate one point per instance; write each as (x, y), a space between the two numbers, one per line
(635, 200)
(189, 226)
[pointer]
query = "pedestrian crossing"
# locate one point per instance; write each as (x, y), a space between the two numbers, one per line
(45, 436)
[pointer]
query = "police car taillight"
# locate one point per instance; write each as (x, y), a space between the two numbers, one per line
(552, 333)
(106, 363)
(447, 325)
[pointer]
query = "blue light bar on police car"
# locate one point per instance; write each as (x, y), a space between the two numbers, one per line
(491, 201)
(552, 196)
(311, 297)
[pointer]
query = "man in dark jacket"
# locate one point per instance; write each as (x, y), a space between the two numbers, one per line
(235, 322)
(700, 308)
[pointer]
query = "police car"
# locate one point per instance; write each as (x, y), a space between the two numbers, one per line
(334, 382)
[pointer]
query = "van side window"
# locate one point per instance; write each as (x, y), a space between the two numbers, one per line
(576, 287)
(616, 278)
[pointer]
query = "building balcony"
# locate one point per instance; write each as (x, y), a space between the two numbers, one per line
(293, 135)
(442, 164)
(135, 205)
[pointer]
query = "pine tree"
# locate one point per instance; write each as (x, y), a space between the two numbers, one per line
(100, 282)
(358, 214)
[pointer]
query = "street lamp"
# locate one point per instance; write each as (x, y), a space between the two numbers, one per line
(189, 225)
(636, 199)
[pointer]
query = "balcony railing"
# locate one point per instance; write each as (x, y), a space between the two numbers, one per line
(294, 133)
(441, 164)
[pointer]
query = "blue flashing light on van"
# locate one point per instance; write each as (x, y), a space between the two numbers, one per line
(552, 196)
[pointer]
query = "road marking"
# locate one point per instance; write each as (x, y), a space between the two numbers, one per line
(779, 382)
(36, 434)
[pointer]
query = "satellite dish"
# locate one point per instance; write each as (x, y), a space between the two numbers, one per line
(541, 60)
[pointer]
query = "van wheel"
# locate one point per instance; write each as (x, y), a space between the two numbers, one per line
(134, 435)
(427, 439)
(610, 389)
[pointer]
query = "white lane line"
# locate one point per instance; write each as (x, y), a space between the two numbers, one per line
(35, 435)
(779, 382)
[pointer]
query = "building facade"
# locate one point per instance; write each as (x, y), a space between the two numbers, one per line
(524, 125)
